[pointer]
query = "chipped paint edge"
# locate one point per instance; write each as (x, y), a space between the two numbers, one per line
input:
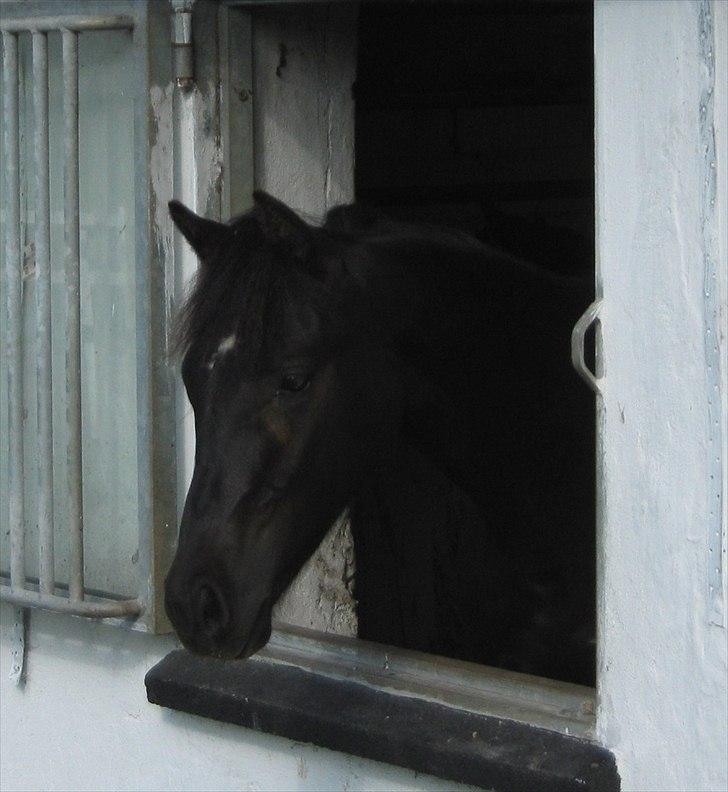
(714, 334)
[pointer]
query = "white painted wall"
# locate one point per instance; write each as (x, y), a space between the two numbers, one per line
(82, 722)
(663, 668)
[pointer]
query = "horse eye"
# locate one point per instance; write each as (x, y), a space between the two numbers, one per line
(293, 383)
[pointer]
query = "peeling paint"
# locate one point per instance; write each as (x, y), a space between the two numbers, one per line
(711, 293)
(160, 99)
(202, 173)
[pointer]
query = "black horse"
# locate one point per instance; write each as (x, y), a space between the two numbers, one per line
(420, 379)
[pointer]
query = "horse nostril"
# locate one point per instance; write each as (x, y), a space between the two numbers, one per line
(212, 611)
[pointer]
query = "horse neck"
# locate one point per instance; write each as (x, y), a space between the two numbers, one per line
(428, 298)
(470, 327)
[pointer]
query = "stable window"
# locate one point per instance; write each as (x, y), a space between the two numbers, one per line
(314, 686)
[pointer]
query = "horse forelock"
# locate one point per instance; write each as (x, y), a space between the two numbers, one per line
(243, 301)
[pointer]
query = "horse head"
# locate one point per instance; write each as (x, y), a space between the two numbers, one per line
(288, 390)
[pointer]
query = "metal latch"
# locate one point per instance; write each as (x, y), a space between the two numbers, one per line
(586, 320)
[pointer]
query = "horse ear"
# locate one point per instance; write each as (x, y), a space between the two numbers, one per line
(204, 235)
(282, 227)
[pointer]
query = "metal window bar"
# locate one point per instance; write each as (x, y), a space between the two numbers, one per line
(43, 313)
(71, 234)
(18, 593)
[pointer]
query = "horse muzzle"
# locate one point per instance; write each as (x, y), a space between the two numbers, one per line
(203, 620)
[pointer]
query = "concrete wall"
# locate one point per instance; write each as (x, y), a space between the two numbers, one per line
(304, 62)
(661, 208)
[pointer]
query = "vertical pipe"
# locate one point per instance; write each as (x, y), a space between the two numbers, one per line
(14, 297)
(43, 313)
(73, 309)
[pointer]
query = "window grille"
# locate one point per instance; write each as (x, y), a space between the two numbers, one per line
(31, 253)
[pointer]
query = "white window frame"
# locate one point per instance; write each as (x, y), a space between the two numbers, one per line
(210, 167)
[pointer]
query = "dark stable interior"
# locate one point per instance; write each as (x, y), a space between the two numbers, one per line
(479, 116)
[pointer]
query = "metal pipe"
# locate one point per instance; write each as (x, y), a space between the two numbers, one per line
(43, 314)
(74, 23)
(73, 311)
(182, 53)
(95, 610)
(14, 298)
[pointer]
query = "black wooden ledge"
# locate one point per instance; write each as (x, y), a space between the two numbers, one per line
(365, 721)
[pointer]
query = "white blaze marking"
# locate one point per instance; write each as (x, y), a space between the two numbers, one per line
(226, 344)
(223, 348)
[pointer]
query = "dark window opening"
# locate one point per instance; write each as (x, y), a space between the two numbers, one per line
(479, 117)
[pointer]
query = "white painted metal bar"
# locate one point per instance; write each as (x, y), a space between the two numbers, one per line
(92, 609)
(63, 22)
(43, 313)
(73, 311)
(14, 295)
